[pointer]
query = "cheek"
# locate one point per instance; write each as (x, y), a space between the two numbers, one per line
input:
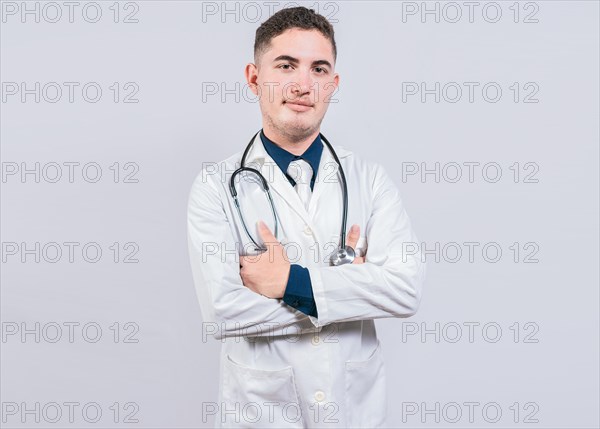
(328, 92)
(266, 100)
(272, 90)
(323, 104)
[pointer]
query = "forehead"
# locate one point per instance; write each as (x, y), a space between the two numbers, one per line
(301, 44)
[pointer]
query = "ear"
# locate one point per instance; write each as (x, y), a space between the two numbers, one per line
(251, 72)
(335, 82)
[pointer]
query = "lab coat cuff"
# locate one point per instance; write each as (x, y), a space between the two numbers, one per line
(319, 297)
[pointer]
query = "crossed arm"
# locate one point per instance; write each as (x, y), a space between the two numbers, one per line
(268, 273)
(242, 298)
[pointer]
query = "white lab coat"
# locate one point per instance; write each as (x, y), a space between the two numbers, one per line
(280, 367)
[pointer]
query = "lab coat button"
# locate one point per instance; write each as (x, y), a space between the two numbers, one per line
(319, 395)
(315, 340)
(308, 230)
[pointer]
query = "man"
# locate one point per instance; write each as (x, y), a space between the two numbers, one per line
(300, 347)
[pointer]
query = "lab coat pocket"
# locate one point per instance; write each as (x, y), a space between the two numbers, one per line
(366, 391)
(253, 397)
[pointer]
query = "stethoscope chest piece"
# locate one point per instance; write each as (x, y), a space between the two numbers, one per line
(342, 256)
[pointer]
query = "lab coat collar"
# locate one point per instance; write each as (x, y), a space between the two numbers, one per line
(259, 158)
(258, 154)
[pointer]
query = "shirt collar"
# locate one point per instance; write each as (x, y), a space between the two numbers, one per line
(282, 157)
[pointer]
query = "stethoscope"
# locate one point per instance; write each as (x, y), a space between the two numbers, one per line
(344, 254)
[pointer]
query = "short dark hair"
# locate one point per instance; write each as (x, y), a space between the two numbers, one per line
(294, 17)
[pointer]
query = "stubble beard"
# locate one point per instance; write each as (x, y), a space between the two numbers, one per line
(295, 131)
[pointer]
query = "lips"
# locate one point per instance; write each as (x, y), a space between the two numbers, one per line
(298, 106)
(300, 103)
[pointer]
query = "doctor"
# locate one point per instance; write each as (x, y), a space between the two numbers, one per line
(300, 347)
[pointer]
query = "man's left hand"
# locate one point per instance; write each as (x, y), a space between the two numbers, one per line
(267, 273)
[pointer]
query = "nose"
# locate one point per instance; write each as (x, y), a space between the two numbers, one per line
(302, 84)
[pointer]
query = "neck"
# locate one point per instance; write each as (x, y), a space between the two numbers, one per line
(296, 146)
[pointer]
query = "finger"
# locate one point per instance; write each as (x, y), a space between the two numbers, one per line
(265, 233)
(353, 236)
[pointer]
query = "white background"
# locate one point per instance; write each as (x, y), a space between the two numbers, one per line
(171, 55)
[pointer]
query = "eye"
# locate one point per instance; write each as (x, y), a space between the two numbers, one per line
(320, 70)
(285, 65)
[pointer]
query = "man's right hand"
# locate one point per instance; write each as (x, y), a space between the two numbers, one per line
(352, 240)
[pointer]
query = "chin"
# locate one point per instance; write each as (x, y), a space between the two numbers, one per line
(298, 125)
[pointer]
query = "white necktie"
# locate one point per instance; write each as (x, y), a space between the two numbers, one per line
(301, 172)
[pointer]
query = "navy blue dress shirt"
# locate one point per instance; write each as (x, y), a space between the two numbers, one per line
(298, 291)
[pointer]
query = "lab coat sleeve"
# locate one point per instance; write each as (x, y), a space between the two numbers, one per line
(389, 283)
(229, 308)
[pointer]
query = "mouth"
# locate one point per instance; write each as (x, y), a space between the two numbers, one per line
(298, 106)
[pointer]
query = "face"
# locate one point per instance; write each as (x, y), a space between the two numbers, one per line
(294, 80)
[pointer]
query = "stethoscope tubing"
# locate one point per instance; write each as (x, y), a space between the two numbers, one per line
(265, 187)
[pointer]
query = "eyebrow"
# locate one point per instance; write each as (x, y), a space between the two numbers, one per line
(297, 61)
